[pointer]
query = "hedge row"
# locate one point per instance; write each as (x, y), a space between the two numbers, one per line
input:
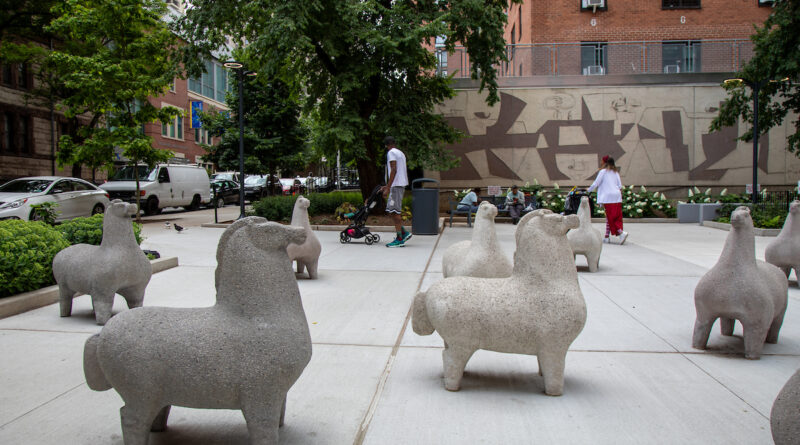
(27, 249)
(279, 208)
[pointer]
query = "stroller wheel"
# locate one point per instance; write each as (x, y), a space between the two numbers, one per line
(344, 238)
(376, 238)
(369, 239)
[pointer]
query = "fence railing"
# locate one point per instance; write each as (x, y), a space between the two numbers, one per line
(605, 58)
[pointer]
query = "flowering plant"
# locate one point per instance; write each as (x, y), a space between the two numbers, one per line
(458, 195)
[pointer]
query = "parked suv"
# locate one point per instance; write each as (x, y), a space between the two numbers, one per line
(166, 185)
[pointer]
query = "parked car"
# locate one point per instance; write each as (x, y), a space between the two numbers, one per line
(226, 192)
(259, 186)
(73, 197)
(166, 185)
(292, 186)
(230, 176)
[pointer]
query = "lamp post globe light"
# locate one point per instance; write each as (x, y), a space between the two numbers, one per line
(241, 73)
(756, 87)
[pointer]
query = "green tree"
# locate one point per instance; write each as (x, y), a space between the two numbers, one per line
(273, 136)
(365, 67)
(109, 57)
(775, 67)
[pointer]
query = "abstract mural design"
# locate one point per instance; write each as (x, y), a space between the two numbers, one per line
(659, 136)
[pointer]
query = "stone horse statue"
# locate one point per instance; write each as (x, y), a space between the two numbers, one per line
(784, 250)
(245, 352)
(741, 288)
(116, 266)
(306, 254)
(481, 257)
(539, 310)
(586, 240)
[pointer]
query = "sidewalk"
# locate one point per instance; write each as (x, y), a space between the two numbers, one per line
(631, 375)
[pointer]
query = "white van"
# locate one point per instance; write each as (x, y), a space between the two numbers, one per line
(167, 185)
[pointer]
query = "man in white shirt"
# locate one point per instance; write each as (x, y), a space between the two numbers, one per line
(396, 182)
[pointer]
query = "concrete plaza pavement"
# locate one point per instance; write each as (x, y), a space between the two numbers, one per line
(631, 375)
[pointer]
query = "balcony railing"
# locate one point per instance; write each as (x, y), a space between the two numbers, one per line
(605, 58)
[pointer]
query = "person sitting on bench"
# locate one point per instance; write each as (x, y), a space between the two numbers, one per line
(515, 203)
(470, 202)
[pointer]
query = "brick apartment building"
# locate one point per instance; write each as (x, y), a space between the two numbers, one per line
(591, 37)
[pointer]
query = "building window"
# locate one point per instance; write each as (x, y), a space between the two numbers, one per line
(213, 83)
(519, 39)
(441, 55)
(8, 133)
(681, 57)
(202, 136)
(173, 129)
(172, 86)
(7, 80)
(680, 4)
(15, 133)
(593, 58)
(22, 75)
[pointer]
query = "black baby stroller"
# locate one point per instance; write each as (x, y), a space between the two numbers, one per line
(356, 229)
(573, 201)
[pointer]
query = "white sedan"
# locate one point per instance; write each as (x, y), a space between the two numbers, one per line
(73, 197)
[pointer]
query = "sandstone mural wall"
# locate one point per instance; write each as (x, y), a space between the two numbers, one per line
(658, 135)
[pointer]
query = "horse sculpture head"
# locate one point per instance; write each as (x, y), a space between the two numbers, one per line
(120, 209)
(542, 233)
(486, 210)
(740, 218)
(255, 235)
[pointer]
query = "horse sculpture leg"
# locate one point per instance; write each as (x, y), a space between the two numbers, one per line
(702, 329)
(552, 368)
(726, 325)
(301, 266)
(160, 422)
(455, 359)
(102, 304)
(137, 418)
(263, 417)
(312, 269)
(775, 327)
(134, 295)
(754, 337)
(65, 296)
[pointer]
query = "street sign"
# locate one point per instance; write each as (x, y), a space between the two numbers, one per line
(748, 188)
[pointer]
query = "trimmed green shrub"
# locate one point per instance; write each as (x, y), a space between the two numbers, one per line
(279, 208)
(90, 230)
(27, 249)
(765, 216)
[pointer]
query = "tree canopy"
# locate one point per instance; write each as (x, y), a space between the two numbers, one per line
(364, 68)
(273, 136)
(775, 66)
(108, 58)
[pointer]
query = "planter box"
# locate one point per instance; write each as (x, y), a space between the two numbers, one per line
(697, 213)
(756, 230)
(26, 301)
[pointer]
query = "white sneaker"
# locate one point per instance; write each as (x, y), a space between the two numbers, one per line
(622, 237)
(607, 240)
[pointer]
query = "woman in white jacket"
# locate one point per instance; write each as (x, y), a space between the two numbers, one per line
(609, 194)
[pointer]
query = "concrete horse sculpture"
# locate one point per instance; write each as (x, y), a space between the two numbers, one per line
(586, 240)
(784, 251)
(307, 253)
(244, 353)
(538, 310)
(740, 288)
(117, 265)
(481, 257)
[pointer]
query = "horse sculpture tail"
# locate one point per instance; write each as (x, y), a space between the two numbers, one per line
(91, 367)
(420, 323)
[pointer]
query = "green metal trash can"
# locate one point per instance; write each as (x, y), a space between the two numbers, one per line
(424, 208)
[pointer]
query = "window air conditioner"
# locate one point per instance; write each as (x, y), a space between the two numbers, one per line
(594, 3)
(671, 69)
(595, 70)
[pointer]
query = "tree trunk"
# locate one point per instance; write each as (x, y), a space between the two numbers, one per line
(370, 175)
(76, 171)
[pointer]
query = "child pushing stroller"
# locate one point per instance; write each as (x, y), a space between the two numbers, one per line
(357, 228)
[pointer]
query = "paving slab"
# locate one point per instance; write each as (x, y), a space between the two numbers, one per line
(318, 410)
(609, 398)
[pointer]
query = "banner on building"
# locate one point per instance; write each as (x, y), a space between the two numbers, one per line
(197, 107)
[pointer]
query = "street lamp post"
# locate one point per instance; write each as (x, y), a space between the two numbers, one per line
(756, 87)
(240, 72)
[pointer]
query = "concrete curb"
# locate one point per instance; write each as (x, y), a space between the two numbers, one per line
(24, 302)
(727, 227)
(330, 227)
